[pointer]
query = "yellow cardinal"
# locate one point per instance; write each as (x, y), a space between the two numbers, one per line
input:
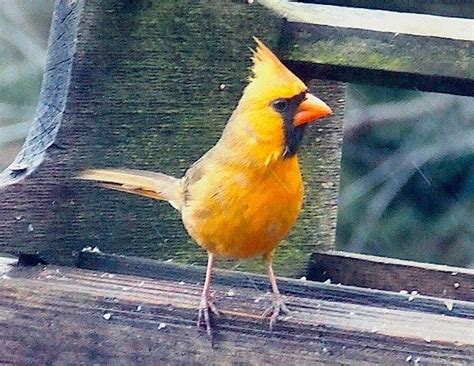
(244, 195)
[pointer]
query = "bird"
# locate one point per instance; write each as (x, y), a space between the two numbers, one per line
(243, 196)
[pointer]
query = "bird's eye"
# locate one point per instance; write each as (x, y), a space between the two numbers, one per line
(280, 105)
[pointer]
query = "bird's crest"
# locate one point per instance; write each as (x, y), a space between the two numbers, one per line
(270, 70)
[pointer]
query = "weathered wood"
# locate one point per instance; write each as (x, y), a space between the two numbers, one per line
(172, 271)
(138, 84)
(58, 315)
(450, 8)
(6, 264)
(392, 275)
(430, 53)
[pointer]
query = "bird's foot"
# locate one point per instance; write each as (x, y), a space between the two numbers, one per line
(206, 309)
(278, 307)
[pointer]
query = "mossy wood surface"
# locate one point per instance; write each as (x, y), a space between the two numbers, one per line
(138, 85)
(391, 60)
(429, 53)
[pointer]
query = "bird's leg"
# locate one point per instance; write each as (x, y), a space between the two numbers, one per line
(204, 317)
(278, 305)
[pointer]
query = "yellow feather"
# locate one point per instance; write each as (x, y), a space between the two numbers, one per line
(271, 77)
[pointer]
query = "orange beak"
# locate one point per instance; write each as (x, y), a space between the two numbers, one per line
(311, 109)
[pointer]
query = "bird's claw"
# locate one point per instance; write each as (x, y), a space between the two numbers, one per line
(206, 308)
(278, 307)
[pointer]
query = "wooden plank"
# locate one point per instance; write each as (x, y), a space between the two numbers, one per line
(138, 85)
(430, 53)
(392, 275)
(153, 321)
(450, 8)
(172, 271)
(376, 20)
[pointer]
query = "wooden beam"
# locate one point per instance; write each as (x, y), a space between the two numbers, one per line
(392, 275)
(374, 20)
(308, 289)
(63, 315)
(450, 8)
(425, 52)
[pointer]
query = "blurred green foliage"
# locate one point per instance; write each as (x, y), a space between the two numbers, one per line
(407, 182)
(24, 28)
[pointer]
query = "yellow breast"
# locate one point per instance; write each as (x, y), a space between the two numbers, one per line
(241, 213)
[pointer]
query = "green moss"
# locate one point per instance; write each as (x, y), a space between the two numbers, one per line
(400, 53)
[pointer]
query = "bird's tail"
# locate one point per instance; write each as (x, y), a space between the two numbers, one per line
(149, 184)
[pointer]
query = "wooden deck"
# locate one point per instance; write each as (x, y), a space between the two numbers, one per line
(63, 315)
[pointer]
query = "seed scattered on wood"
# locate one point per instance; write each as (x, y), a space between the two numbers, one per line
(449, 304)
(90, 249)
(107, 316)
(456, 285)
(161, 326)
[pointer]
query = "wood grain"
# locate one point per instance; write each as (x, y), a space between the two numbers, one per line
(392, 275)
(56, 315)
(450, 8)
(391, 49)
(298, 288)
